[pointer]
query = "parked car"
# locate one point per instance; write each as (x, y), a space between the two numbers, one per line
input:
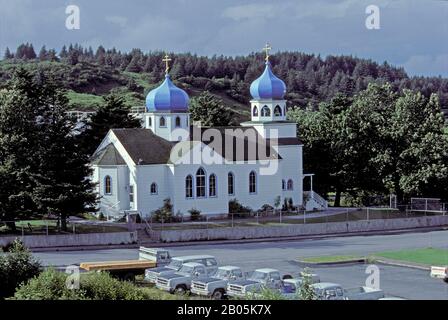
(161, 256)
(363, 293)
(268, 278)
(333, 291)
(180, 281)
(216, 286)
(440, 273)
(291, 286)
(177, 262)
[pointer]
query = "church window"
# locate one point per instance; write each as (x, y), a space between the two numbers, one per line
(177, 122)
(200, 183)
(265, 111)
(255, 112)
(212, 186)
(162, 122)
(131, 194)
(283, 184)
(153, 188)
(107, 185)
(252, 182)
(278, 111)
(230, 184)
(189, 186)
(290, 185)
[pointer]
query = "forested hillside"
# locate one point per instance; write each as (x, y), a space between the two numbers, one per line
(87, 74)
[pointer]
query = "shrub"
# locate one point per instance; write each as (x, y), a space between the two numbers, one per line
(237, 209)
(16, 266)
(266, 207)
(101, 286)
(49, 285)
(306, 291)
(195, 214)
(165, 213)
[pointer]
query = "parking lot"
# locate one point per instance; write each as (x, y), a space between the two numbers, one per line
(395, 281)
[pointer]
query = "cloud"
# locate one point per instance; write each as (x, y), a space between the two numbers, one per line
(118, 20)
(252, 11)
(427, 65)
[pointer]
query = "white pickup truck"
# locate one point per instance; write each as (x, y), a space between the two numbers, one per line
(215, 287)
(260, 278)
(180, 281)
(177, 262)
(333, 291)
(440, 273)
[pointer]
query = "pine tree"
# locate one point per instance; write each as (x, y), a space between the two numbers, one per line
(43, 54)
(210, 111)
(8, 54)
(113, 113)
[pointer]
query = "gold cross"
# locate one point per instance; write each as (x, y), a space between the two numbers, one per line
(266, 49)
(166, 59)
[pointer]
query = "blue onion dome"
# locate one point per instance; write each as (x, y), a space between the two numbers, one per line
(167, 97)
(268, 86)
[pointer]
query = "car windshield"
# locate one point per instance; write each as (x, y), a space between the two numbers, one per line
(221, 274)
(257, 275)
(186, 269)
(175, 264)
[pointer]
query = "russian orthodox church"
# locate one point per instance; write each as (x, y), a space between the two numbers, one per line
(257, 163)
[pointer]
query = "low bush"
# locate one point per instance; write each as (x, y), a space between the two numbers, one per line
(165, 213)
(195, 214)
(238, 210)
(16, 266)
(52, 285)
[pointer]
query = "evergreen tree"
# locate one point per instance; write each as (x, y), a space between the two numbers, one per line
(8, 54)
(43, 54)
(113, 113)
(210, 111)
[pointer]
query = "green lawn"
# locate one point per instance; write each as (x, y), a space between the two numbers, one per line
(426, 256)
(39, 227)
(330, 259)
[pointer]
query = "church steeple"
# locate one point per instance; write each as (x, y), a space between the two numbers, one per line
(167, 108)
(267, 92)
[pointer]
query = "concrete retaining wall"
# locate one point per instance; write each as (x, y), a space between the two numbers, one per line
(299, 229)
(69, 240)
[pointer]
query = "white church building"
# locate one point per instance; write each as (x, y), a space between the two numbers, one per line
(202, 168)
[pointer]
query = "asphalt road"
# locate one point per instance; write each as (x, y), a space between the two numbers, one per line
(395, 281)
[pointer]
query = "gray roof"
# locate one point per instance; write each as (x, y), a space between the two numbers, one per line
(108, 156)
(143, 146)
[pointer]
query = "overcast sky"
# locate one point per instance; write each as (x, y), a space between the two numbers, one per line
(413, 33)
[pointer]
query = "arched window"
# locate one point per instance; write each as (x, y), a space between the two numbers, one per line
(252, 182)
(283, 184)
(255, 111)
(177, 122)
(189, 186)
(162, 122)
(265, 111)
(107, 185)
(277, 111)
(290, 185)
(212, 185)
(200, 183)
(153, 188)
(230, 184)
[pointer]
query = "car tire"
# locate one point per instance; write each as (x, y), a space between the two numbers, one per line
(446, 280)
(218, 294)
(180, 290)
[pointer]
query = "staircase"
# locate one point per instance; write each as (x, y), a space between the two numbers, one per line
(313, 201)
